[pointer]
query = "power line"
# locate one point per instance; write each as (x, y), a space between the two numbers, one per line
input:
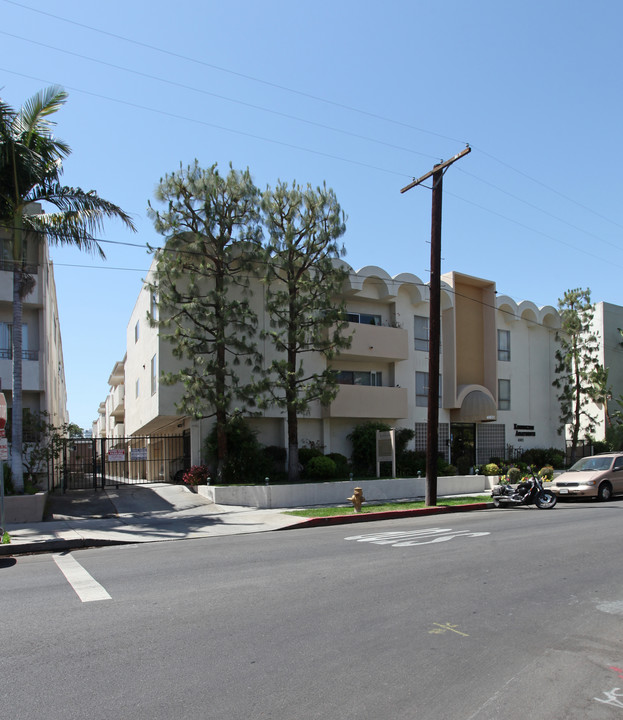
(203, 63)
(302, 93)
(175, 83)
(175, 116)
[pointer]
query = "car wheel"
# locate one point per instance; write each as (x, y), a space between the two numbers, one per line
(604, 492)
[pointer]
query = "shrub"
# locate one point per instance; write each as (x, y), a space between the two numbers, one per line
(411, 463)
(514, 475)
(321, 468)
(246, 460)
(307, 453)
(491, 469)
(342, 468)
(543, 456)
(547, 472)
(276, 456)
(363, 438)
(197, 475)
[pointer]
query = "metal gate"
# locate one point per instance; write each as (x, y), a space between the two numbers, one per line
(96, 462)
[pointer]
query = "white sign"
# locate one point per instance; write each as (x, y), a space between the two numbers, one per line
(138, 453)
(116, 455)
(385, 450)
(4, 449)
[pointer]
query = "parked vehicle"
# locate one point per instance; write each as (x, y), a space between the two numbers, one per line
(529, 491)
(599, 476)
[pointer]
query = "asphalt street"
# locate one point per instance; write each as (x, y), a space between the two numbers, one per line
(492, 614)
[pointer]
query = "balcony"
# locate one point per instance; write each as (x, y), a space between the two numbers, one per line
(118, 402)
(363, 401)
(376, 342)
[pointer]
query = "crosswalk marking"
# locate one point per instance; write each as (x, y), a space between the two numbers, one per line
(86, 588)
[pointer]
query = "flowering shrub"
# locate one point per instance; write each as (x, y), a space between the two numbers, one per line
(197, 475)
(547, 473)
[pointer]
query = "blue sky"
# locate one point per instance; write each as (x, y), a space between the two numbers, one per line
(363, 96)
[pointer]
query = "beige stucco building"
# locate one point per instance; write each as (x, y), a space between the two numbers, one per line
(43, 372)
(497, 365)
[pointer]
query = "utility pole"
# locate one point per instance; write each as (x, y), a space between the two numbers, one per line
(434, 323)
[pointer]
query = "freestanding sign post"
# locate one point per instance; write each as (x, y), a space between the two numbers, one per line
(3, 456)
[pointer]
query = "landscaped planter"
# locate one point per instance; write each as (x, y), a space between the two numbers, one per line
(336, 493)
(24, 508)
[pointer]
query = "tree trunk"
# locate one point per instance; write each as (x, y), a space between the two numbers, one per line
(17, 466)
(294, 472)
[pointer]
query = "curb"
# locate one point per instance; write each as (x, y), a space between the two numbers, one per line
(387, 515)
(46, 546)
(60, 545)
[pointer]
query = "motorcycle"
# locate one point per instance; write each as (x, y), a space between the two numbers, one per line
(529, 491)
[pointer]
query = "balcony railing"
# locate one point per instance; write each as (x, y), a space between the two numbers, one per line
(26, 354)
(9, 265)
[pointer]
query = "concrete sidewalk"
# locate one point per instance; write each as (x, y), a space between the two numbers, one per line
(155, 513)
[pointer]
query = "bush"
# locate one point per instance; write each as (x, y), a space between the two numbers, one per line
(514, 475)
(307, 453)
(411, 463)
(246, 460)
(543, 456)
(491, 469)
(547, 472)
(342, 468)
(321, 468)
(363, 438)
(197, 475)
(276, 456)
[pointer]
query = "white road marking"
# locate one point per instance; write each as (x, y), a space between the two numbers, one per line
(86, 588)
(414, 537)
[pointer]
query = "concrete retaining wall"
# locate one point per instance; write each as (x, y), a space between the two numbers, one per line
(336, 493)
(24, 508)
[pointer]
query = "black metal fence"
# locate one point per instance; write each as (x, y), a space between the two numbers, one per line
(97, 462)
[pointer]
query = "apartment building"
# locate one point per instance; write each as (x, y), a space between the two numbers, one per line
(495, 385)
(43, 373)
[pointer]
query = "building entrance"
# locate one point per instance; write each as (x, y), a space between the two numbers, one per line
(463, 446)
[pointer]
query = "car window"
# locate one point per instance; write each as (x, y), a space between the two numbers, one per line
(592, 463)
(618, 464)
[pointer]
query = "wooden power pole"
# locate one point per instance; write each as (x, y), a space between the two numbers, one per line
(434, 323)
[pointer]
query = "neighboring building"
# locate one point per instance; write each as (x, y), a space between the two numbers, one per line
(43, 372)
(607, 326)
(497, 367)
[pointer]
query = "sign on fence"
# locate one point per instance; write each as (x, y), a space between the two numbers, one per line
(116, 455)
(138, 453)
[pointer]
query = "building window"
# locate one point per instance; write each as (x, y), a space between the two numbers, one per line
(137, 388)
(153, 375)
(363, 318)
(136, 331)
(6, 342)
(153, 306)
(504, 394)
(421, 332)
(356, 377)
(421, 389)
(504, 345)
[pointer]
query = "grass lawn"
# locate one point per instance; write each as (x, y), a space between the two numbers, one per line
(383, 507)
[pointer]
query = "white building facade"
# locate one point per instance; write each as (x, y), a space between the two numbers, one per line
(43, 371)
(497, 368)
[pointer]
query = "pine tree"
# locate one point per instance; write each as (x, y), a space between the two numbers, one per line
(213, 244)
(580, 375)
(302, 283)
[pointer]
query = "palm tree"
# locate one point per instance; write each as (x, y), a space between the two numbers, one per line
(30, 170)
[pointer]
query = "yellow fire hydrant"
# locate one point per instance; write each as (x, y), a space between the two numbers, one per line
(357, 499)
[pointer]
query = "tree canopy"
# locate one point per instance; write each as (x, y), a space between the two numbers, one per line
(30, 173)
